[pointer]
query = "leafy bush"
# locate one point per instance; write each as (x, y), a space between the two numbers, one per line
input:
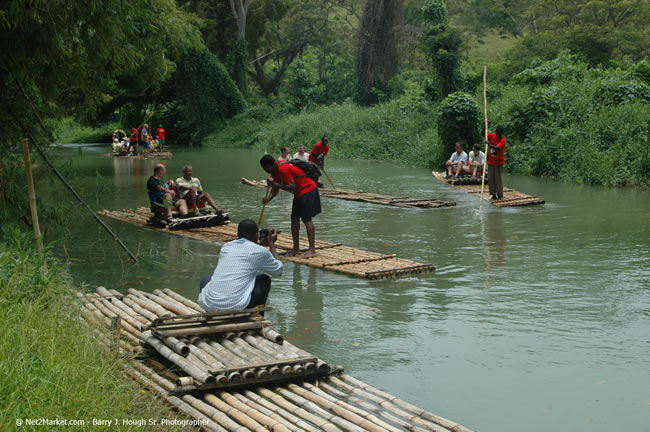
(458, 120)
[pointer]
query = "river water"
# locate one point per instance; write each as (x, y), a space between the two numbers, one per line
(536, 318)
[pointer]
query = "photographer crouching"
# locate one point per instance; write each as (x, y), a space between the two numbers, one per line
(235, 283)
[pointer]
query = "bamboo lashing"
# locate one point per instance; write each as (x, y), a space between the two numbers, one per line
(330, 256)
(485, 133)
(511, 197)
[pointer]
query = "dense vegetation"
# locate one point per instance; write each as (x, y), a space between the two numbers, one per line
(51, 365)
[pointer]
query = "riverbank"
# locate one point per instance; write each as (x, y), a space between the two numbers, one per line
(52, 366)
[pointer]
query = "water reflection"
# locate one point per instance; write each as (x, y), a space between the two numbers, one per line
(309, 307)
(494, 247)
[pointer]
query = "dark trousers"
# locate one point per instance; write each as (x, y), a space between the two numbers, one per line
(260, 291)
(494, 180)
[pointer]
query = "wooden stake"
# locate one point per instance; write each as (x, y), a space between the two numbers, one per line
(32, 201)
(259, 221)
(485, 134)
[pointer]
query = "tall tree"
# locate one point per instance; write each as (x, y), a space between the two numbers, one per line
(377, 58)
(240, 50)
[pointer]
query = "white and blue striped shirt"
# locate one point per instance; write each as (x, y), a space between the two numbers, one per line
(234, 278)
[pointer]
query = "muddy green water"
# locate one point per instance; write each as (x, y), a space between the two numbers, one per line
(536, 319)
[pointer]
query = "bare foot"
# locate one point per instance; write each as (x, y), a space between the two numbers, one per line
(310, 253)
(293, 252)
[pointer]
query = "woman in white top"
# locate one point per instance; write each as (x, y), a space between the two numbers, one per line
(300, 154)
(285, 157)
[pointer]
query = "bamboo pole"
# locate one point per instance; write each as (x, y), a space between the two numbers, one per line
(233, 412)
(267, 412)
(32, 202)
(298, 410)
(328, 177)
(253, 413)
(485, 133)
(187, 302)
(259, 220)
(302, 424)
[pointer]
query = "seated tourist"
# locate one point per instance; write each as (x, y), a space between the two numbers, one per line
(300, 154)
(286, 155)
(163, 200)
(189, 188)
(474, 165)
(235, 283)
(456, 161)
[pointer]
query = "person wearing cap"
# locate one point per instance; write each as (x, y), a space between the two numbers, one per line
(160, 134)
(133, 141)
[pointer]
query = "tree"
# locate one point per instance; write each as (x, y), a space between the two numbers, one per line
(377, 58)
(240, 51)
(444, 44)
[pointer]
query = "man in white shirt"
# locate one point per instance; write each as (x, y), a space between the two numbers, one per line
(235, 283)
(189, 188)
(476, 161)
(300, 154)
(456, 161)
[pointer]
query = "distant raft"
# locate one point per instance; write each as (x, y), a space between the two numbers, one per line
(330, 256)
(368, 197)
(149, 155)
(511, 198)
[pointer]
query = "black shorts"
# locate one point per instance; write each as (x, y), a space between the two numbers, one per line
(306, 206)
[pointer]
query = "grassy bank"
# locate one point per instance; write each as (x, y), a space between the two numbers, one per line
(51, 366)
(401, 130)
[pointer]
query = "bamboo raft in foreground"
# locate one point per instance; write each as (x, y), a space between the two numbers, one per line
(511, 198)
(328, 400)
(329, 256)
(368, 197)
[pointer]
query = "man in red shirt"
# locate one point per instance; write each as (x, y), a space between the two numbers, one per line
(133, 141)
(160, 132)
(318, 153)
(306, 199)
(496, 161)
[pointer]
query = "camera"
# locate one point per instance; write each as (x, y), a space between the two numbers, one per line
(265, 235)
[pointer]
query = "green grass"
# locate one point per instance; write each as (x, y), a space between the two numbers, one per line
(51, 365)
(401, 130)
(69, 131)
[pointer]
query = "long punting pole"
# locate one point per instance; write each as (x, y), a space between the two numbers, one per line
(328, 178)
(485, 135)
(259, 221)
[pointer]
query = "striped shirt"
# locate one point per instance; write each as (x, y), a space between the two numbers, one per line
(184, 185)
(234, 277)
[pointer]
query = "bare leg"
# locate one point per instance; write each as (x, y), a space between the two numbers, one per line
(311, 235)
(190, 198)
(450, 170)
(295, 235)
(168, 207)
(206, 197)
(181, 205)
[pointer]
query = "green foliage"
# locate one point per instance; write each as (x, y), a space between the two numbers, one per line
(52, 365)
(202, 92)
(303, 88)
(401, 130)
(435, 13)
(564, 119)
(458, 120)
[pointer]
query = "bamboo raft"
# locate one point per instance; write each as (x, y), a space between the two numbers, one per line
(175, 367)
(511, 198)
(329, 256)
(150, 155)
(368, 197)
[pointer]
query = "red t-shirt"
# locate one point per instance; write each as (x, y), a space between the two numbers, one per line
(134, 135)
(319, 148)
(161, 133)
(287, 173)
(496, 156)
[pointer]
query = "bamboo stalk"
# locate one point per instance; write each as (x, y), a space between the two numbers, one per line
(32, 201)
(280, 412)
(139, 309)
(187, 302)
(147, 304)
(187, 366)
(320, 422)
(271, 334)
(233, 412)
(171, 301)
(213, 329)
(253, 413)
(264, 410)
(259, 220)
